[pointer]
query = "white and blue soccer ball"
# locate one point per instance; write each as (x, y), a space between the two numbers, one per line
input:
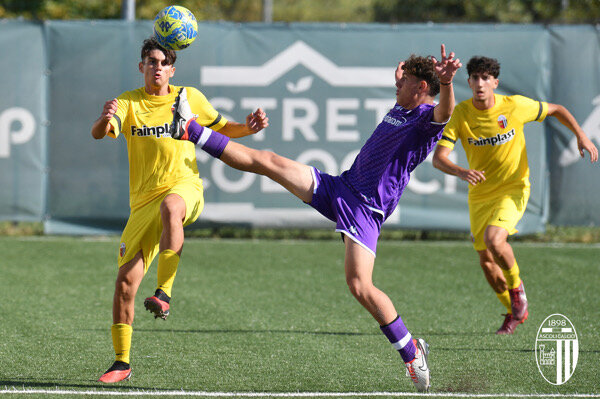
(175, 27)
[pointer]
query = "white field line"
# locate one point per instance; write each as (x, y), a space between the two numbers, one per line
(205, 394)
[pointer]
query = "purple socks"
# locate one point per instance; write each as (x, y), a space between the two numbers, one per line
(210, 141)
(398, 335)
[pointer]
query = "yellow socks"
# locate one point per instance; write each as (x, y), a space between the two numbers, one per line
(121, 336)
(167, 268)
(512, 281)
(505, 300)
(512, 276)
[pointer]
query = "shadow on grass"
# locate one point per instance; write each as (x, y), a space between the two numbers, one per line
(302, 332)
(32, 384)
(225, 331)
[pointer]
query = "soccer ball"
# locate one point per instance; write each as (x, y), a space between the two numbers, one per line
(175, 27)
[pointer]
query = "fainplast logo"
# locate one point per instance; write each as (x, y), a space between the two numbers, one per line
(17, 126)
(591, 127)
(320, 113)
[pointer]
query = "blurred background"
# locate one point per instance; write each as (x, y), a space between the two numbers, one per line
(323, 71)
(364, 11)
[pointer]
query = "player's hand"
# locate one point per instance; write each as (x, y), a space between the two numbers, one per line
(110, 108)
(399, 71)
(585, 144)
(257, 121)
(472, 176)
(446, 67)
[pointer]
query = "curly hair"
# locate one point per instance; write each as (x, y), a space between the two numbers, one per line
(151, 44)
(479, 64)
(423, 68)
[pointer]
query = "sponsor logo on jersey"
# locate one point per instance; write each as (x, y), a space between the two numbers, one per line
(499, 139)
(157, 131)
(394, 121)
(502, 122)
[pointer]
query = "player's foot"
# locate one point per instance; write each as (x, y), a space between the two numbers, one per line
(418, 368)
(158, 304)
(119, 371)
(509, 325)
(182, 116)
(518, 303)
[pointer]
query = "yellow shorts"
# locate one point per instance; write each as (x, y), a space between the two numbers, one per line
(144, 227)
(504, 211)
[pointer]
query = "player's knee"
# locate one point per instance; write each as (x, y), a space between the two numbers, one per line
(124, 286)
(171, 211)
(359, 289)
(494, 242)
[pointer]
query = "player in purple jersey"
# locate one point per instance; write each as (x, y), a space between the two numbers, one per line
(364, 196)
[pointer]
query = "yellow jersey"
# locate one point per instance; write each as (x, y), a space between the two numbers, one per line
(494, 142)
(156, 161)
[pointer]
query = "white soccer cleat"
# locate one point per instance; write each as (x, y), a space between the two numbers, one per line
(418, 368)
(182, 115)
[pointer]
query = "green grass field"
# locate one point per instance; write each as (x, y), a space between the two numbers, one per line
(277, 317)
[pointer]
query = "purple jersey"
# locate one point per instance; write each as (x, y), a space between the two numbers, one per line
(382, 169)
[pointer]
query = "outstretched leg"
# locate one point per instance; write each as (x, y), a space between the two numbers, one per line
(292, 175)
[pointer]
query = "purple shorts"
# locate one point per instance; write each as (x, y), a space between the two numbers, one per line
(354, 219)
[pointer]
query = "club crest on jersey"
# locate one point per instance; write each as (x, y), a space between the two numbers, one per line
(122, 250)
(502, 122)
(145, 131)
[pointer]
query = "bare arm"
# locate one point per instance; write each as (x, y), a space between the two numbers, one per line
(255, 122)
(101, 127)
(566, 118)
(443, 163)
(446, 69)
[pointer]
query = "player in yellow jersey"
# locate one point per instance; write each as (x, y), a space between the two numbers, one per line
(490, 128)
(164, 187)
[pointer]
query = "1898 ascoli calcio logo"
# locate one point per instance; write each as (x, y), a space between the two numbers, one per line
(556, 349)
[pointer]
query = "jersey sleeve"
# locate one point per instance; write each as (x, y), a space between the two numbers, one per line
(119, 117)
(450, 133)
(207, 115)
(529, 110)
(431, 127)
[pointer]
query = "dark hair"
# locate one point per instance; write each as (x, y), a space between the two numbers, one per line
(479, 64)
(423, 68)
(151, 44)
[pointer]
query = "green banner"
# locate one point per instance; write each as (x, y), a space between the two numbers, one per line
(325, 88)
(576, 85)
(23, 162)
